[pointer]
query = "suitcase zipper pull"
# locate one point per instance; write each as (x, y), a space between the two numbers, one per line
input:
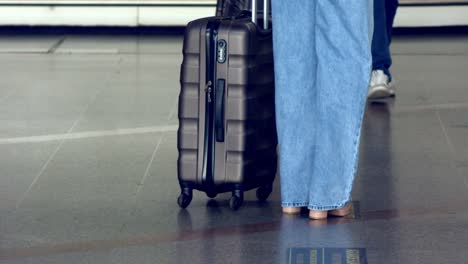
(208, 90)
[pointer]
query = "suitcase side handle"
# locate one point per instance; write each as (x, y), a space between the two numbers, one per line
(219, 114)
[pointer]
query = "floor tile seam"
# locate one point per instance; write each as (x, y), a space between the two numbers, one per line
(51, 157)
(156, 148)
(97, 93)
(38, 175)
(146, 173)
(452, 149)
(148, 166)
(57, 45)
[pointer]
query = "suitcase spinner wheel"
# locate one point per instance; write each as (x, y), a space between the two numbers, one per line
(237, 199)
(185, 197)
(211, 194)
(264, 192)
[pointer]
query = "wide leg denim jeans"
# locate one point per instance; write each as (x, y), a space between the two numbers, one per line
(322, 65)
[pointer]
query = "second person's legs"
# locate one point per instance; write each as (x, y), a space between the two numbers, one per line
(381, 58)
(384, 15)
(391, 7)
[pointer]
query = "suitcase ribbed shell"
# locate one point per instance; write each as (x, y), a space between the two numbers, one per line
(248, 154)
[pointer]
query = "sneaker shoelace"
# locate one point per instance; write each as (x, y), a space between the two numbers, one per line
(379, 78)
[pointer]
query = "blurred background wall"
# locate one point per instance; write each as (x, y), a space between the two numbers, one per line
(413, 13)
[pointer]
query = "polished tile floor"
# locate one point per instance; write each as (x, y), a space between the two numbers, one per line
(88, 161)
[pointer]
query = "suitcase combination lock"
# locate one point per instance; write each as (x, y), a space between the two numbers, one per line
(221, 51)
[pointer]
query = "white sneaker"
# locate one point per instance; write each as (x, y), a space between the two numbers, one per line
(380, 87)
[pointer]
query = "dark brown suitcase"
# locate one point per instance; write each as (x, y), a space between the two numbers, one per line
(227, 134)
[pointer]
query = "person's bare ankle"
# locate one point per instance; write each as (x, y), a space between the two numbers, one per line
(317, 215)
(291, 210)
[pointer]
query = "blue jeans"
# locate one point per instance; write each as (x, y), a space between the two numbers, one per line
(322, 70)
(384, 15)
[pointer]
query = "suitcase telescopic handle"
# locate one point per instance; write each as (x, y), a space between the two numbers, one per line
(219, 7)
(266, 9)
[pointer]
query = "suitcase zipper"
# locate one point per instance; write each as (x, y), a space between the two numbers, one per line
(210, 97)
(208, 91)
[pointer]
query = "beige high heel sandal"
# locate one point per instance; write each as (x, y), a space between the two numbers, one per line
(291, 210)
(341, 212)
(318, 215)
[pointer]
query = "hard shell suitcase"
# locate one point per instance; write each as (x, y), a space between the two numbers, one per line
(227, 133)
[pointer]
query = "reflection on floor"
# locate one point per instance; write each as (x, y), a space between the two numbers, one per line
(88, 162)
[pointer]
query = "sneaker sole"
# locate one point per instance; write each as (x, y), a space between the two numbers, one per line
(380, 92)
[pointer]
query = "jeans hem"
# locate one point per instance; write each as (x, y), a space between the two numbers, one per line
(295, 204)
(315, 207)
